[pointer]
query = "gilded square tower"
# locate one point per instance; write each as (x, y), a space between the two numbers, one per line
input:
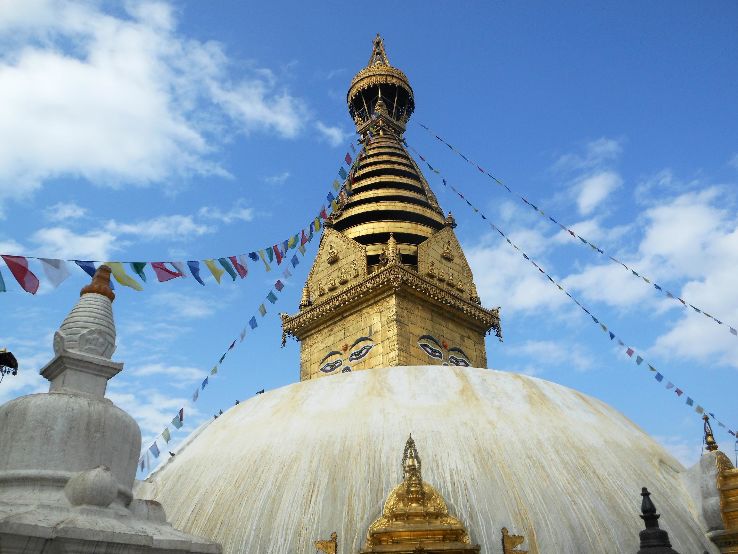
(390, 284)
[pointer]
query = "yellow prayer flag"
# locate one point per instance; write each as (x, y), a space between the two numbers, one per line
(116, 268)
(214, 269)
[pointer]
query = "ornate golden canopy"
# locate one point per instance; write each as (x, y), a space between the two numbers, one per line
(415, 517)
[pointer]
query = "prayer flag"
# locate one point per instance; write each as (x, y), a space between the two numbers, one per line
(286, 273)
(303, 238)
(310, 229)
(639, 360)
(302, 249)
(194, 266)
(56, 270)
(240, 267)
(224, 263)
(669, 385)
(166, 435)
(659, 377)
(342, 173)
(18, 266)
(163, 273)
(243, 334)
(334, 206)
(295, 260)
(690, 402)
(222, 358)
(252, 323)
(277, 254)
(330, 197)
(292, 242)
(699, 409)
(87, 267)
(232, 345)
(348, 159)
(262, 310)
(214, 370)
(204, 383)
(336, 184)
(263, 259)
(177, 423)
(279, 285)
(678, 391)
(138, 269)
(734, 331)
(154, 450)
(214, 269)
(324, 215)
(272, 297)
(180, 267)
(2, 283)
(650, 367)
(141, 463)
(352, 148)
(116, 268)
(254, 256)
(196, 395)
(270, 253)
(629, 351)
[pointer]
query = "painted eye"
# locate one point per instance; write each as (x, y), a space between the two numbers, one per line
(453, 360)
(432, 352)
(360, 353)
(331, 366)
(346, 369)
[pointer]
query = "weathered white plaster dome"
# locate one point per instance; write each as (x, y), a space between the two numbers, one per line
(290, 466)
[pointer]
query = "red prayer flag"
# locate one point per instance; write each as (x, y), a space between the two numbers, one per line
(348, 159)
(242, 271)
(163, 273)
(277, 253)
(630, 351)
(303, 238)
(323, 213)
(18, 266)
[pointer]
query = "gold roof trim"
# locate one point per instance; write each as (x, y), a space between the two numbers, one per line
(389, 277)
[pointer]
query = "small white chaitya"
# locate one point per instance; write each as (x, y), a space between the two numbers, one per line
(68, 457)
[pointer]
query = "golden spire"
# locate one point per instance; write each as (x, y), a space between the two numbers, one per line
(379, 56)
(415, 515)
(100, 283)
(710, 443)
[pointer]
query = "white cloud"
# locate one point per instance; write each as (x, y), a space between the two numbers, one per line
(596, 153)
(149, 407)
(278, 179)
(547, 353)
(238, 212)
(733, 162)
(182, 373)
(331, 134)
(593, 189)
(168, 227)
(687, 452)
(63, 211)
(11, 247)
(60, 242)
(121, 99)
(180, 305)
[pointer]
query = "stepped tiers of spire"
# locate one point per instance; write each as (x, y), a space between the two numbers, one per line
(390, 284)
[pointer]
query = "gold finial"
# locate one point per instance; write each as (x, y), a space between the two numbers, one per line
(379, 56)
(330, 546)
(710, 443)
(100, 283)
(510, 543)
(393, 255)
(305, 299)
(413, 477)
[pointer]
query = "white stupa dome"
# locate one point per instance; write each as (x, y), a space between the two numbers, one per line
(285, 468)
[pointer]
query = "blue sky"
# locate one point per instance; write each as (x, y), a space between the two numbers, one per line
(155, 131)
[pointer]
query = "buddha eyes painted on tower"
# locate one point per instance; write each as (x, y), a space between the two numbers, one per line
(358, 351)
(435, 350)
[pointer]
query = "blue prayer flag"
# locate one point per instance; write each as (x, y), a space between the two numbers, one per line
(154, 450)
(659, 377)
(196, 395)
(295, 260)
(204, 382)
(254, 256)
(252, 322)
(195, 270)
(690, 402)
(272, 297)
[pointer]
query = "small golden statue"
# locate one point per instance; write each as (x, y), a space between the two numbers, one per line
(330, 546)
(332, 255)
(510, 543)
(447, 254)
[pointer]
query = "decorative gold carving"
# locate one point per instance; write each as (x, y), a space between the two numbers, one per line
(447, 254)
(415, 517)
(355, 269)
(305, 299)
(510, 543)
(332, 255)
(330, 546)
(332, 284)
(343, 276)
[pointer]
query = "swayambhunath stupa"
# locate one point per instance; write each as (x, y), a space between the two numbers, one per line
(397, 437)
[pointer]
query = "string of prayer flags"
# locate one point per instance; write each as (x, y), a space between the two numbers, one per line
(628, 350)
(177, 421)
(732, 329)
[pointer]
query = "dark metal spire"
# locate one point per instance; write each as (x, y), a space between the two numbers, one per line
(653, 539)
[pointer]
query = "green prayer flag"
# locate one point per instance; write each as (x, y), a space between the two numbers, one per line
(138, 268)
(272, 297)
(270, 254)
(228, 267)
(165, 434)
(177, 423)
(214, 370)
(2, 283)
(336, 185)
